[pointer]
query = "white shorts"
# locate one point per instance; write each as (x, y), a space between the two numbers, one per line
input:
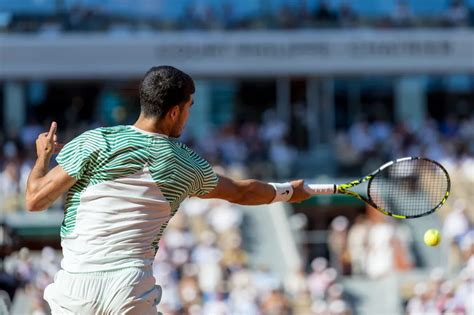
(123, 291)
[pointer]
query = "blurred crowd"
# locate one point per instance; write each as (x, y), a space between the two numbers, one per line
(445, 293)
(203, 268)
(202, 264)
(373, 246)
(366, 145)
(29, 272)
(247, 149)
(59, 16)
(251, 148)
(16, 160)
(376, 247)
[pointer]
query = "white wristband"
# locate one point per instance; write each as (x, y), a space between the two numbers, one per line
(283, 191)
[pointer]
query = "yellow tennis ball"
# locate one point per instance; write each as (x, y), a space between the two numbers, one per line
(432, 237)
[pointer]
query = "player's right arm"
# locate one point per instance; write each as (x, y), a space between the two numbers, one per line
(252, 192)
(44, 186)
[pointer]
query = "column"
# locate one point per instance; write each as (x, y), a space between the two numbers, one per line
(327, 108)
(199, 118)
(283, 99)
(354, 100)
(312, 116)
(410, 100)
(14, 110)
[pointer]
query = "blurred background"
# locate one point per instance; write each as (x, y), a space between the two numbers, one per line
(321, 90)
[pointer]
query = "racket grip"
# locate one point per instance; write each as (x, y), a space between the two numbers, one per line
(321, 189)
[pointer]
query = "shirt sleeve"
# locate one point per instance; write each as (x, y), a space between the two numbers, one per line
(75, 156)
(206, 178)
(209, 179)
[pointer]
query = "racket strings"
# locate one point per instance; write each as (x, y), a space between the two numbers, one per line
(410, 187)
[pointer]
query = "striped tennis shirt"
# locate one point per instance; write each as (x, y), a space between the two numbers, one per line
(129, 185)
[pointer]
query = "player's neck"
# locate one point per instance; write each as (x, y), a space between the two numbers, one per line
(151, 125)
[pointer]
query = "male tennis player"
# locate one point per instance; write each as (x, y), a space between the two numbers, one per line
(124, 184)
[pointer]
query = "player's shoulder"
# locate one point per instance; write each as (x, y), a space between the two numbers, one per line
(98, 137)
(171, 149)
(193, 155)
(182, 146)
(113, 130)
(105, 133)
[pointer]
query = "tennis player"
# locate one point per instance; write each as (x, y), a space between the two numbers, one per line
(123, 185)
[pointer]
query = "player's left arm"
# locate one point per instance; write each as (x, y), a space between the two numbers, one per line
(253, 192)
(44, 186)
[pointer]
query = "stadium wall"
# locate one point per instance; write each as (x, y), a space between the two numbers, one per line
(237, 54)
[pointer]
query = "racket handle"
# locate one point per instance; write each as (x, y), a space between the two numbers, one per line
(321, 189)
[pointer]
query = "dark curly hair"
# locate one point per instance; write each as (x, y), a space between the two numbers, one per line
(162, 88)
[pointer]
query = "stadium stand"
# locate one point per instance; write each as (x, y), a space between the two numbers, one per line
(211, 231)
(49, 16)
(209, 260)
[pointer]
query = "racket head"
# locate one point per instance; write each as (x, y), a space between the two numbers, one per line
(409, 187)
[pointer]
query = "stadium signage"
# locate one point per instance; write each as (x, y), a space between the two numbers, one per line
(362, 49)
(239, 53)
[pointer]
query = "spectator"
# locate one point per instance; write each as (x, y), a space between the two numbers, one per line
(272, 128)
(360, 137)
(446, 302)
(380, 255)
(465, 290)
(188, 291)
(323, 15)
(441, 296)
(357, 245)
(449, 126)
(348, 157)
(283, 156)
(457, 15)
(229, 20)
(224, 217)
(243, 294)
(233, 256)
(276, 303)
(402, 16)
(456, 225)
(265, 281)
(422, 302)
(217, 304)
(320, 278)
(232, 147)
(338, 244)
(347, 16)
(24, 266)
(30, 132)
(286, 17)
(303, 14)
(296, 283)
(339, 307)
(10, 187)
(467, 250)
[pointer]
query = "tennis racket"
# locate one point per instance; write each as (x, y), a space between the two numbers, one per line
(405, 188)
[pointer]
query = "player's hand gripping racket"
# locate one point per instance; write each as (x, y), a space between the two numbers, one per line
(405, 188)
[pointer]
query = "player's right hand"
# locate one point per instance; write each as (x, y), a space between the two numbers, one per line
(46, 144)
(299, 192)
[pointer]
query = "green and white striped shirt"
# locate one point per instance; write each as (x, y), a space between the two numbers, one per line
(129, 184)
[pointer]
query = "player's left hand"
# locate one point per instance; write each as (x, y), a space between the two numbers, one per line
(299, 192)
(46, 144)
